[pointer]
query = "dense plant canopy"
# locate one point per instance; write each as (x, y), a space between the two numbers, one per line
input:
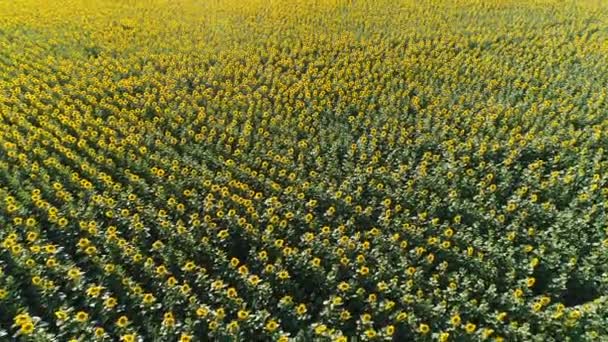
(274, 170)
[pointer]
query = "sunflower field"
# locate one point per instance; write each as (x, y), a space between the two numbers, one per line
(303, 170)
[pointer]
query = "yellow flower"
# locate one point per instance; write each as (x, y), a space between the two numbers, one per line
(185, 289)
(109, 268)
(243, 270)
(444, 337)
(301, 309)
(382, 286)
(372, 298)
(455, 320)
(27, 328)
(36, 280)
(202, 311)
(82, 316)
(345, 315)
(574, 314)
(185, 338)
(545, 300)
(161, 270)
(62, 222)
(518, 293)
(370, 333)
(220, 313)
(530, 281)
(110, 302)
(128, 338)
(148, 298)
(217, 284)
(424, 328)
(401, 317)
(168, 319)
(470, 328)
(269, 268)
(32, 236)
(22, 318)
(320, 329)
(233, 327)
(254, 280)
(99, 332)
(213, 325)
(94, 291)
(271, 325)
(122, 321)
(534, 262)
(242, 314)
(74, 273)
(486, 333)
(366, 318)
(189, 266)
(343, 286)
(83, 243)
(231, 292)
(61, 315)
